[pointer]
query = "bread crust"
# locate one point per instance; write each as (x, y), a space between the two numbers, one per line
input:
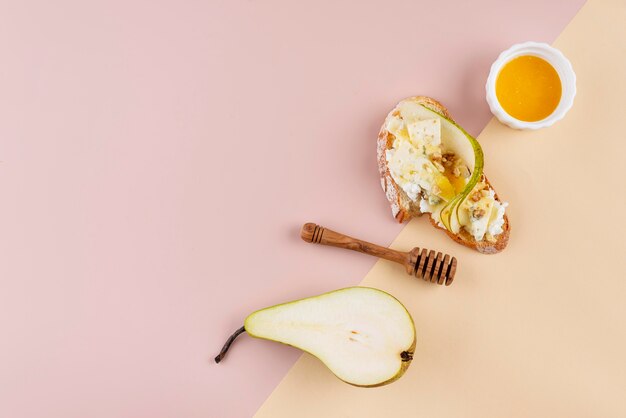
(404, 209)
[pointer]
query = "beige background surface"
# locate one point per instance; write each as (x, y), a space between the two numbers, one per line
(538, 330)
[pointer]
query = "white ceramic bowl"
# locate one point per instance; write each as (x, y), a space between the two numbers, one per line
(562, 66)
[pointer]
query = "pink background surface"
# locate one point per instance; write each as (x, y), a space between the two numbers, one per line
(158, 158)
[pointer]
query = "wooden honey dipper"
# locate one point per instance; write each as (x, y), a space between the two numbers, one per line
(422, 263)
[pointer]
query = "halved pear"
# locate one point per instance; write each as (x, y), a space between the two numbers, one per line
(455, 139)
(365, 336)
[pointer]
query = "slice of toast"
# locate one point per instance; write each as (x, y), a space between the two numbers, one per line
(403, 208)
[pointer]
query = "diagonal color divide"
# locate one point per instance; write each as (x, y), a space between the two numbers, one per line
(537, 330)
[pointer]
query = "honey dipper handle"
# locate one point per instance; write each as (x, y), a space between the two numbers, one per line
(319, 235)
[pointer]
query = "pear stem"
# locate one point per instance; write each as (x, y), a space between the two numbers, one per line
(229, 341)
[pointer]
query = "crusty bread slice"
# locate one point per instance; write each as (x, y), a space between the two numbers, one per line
(403, 208)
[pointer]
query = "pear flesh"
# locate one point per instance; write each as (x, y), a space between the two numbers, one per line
(365, 336)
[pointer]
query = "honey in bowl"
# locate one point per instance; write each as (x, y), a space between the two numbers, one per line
(528, 88)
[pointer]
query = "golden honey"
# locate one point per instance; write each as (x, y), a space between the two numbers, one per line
(528, 88)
